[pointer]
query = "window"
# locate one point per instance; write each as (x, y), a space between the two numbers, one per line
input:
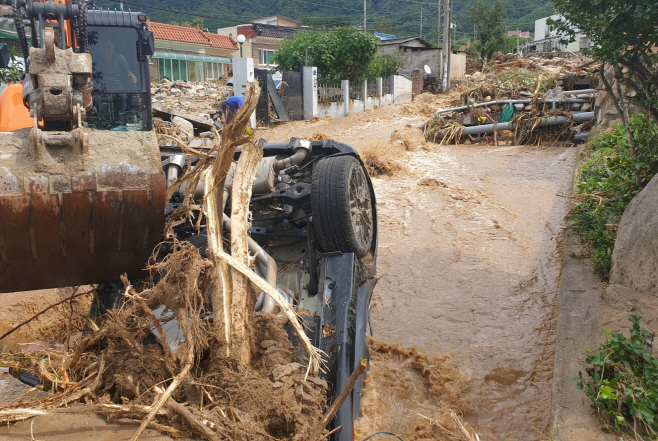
(115, 60)
(214, 71)
(265, 56)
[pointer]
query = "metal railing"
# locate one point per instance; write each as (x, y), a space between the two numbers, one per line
(373, 89)
(356, 91)
(330, 93)
(387, 87)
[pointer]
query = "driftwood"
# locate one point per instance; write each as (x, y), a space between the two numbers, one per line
(162, 399)
(245, 173)
(233, 135)
(313, 353)
(340, 399)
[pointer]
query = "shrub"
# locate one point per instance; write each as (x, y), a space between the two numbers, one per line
(623, 382)
(608, 182)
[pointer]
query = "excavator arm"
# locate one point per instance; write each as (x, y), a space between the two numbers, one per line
(77, 205)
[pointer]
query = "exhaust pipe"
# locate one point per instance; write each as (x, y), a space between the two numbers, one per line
(264, 259)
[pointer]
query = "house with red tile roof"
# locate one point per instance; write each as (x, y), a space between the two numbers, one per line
(189, 54)
(263, 37)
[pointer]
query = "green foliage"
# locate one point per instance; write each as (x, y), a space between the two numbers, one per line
(488, 22)
(608, 183)
(197, 22)
(383, 66)
(14, 73)
(624, 34)
(397, 17)
(508, 45)
(337, 55)
(623, 382)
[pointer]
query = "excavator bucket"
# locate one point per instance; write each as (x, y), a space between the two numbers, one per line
(77, 207)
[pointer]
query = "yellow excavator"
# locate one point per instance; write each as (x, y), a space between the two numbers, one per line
(82, 190)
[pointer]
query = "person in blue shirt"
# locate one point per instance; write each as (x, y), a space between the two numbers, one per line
(230, 107)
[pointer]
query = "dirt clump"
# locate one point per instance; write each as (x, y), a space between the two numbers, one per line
(426, 104)
(384, 159)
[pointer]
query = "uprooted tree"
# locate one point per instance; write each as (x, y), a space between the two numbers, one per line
(114, 371)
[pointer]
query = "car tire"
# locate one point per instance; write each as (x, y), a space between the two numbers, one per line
(342, 206)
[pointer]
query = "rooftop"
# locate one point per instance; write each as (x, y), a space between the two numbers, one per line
(264, 30)
(162, 31)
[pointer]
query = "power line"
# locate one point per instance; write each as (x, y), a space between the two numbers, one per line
(328, 6)
(212, 17)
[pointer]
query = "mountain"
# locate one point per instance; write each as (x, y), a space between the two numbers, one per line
(399, 17)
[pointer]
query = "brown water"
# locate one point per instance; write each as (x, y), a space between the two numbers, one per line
(469, 260)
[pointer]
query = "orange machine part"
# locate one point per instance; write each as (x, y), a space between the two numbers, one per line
(13, 114)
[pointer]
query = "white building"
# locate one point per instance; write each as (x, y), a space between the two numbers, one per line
(548, 39)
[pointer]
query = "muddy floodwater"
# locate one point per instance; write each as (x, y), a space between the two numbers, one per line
(469, 261)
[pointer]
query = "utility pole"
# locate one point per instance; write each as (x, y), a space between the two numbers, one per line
(445, 83)
(364, 15)
(438, 38)
(421, 21)
(518, 51)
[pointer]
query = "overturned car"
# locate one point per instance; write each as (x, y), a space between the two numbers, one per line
(314, 235)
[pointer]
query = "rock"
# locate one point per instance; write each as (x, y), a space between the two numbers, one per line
(635, 256)
(184, 125)
(575, 106)
(175, 91)
(267, 343)
(186, 104)
(479, 76)
(317, 381)
(586, 107)
(281, 371)
(160, 96)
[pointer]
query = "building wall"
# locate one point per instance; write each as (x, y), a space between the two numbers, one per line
(256, 46)
(458, 66)
(417, 59)
(232, 31)
(285, 22)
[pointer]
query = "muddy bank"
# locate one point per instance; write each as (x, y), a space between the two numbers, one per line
(57, 325)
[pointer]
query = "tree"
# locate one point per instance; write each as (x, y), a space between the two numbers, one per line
(197, 22)
(340, 54)
(488, 21)
(624, 34)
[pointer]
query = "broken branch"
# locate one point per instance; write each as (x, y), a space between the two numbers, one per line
(340, 399)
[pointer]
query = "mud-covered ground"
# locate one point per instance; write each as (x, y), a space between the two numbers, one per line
(470, 264)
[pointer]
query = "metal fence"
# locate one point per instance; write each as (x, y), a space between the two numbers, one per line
(356, 91)
(387, 87)
(373, 89)
(330, 93)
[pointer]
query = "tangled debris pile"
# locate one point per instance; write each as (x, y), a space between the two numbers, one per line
(519, 105)
(202, 380)
(194, 97)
